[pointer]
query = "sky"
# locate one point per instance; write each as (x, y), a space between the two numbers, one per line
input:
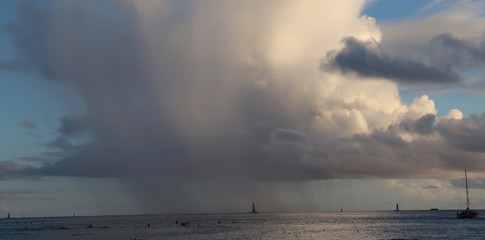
(143, 107)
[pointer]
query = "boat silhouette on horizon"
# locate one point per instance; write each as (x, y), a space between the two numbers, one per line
(254, 209)
(467, 213)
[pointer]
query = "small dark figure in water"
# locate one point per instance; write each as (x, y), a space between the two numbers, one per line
(90, 226)
(148, 224)
(176, 222)
(218, 221)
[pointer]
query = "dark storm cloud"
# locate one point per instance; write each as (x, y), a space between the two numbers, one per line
(163, 120)
(73, 129)
(467, 134)
(62, 143)
(368, 59)
(74, 125)
(423, 125)
(437, 61)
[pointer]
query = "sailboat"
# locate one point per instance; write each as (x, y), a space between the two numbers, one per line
(254, 209)
(397, 208)
(467, 213)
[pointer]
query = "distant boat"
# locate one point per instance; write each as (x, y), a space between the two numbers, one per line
(254, 209)
(341, 209)
(397, 208)
(8, 215)
(433, 209)
(467, 213)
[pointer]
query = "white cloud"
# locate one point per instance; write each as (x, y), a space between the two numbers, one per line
(420, 107)
(454, 114)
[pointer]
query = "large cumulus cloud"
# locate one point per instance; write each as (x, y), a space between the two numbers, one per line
(211, 90)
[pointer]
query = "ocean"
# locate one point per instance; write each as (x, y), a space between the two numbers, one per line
(329, 225)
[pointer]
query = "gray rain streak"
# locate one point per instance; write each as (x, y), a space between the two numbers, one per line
(175, 119)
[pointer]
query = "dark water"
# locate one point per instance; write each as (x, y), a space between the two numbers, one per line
(346, 225)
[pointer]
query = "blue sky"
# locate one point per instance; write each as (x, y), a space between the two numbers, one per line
(208, 107)
(384, 11)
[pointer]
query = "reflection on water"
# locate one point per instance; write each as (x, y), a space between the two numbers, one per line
(341, 225)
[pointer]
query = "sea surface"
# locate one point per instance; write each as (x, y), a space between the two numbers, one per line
(331, 225)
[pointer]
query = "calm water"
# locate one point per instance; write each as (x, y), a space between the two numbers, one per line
(346, 225)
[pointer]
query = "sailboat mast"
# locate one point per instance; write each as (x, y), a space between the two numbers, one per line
(466, 186)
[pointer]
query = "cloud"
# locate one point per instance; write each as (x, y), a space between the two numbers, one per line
(444, 45)
(288, 135)
(184, 94)
(27, 124)
(459, 18)
(367, 59)
(234, 91)
(427, 189)
(423, 125)
(472, 183)
(454, 114)
(73, 133)
(442, 37)
(467, 134)
(74, 125)
(44, 157)
(432, 4)
(12, 170)
(455, 52)
(430, 187)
